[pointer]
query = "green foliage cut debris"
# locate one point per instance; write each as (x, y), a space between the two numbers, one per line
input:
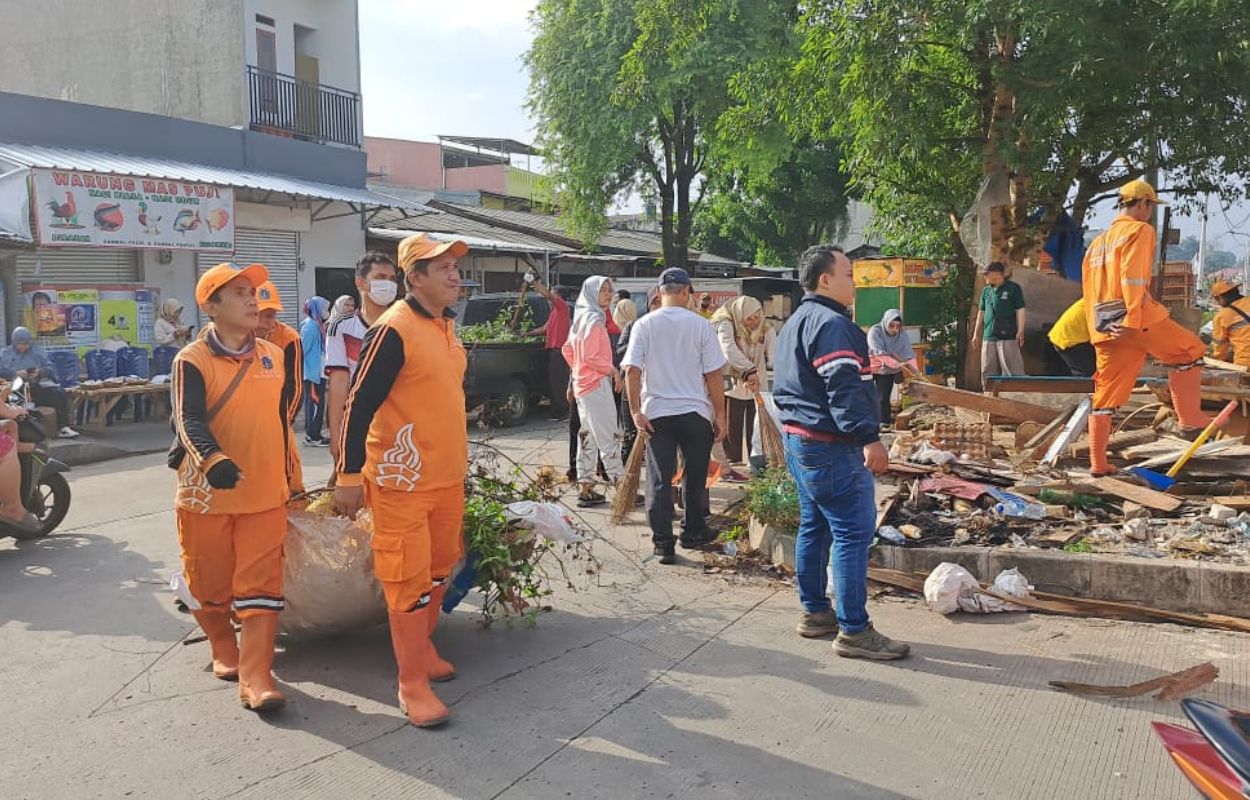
(773, 499)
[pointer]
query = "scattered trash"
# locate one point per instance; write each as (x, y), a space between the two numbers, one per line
(891, 534)
(910, 531)
(950, 588)
(1137, 529)
(1221, 513)
(1171, 687)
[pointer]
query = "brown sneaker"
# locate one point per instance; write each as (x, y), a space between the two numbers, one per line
(869, 644)
(813, 626)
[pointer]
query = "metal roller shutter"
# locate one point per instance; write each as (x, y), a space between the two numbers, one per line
(75, 265)
(279, 252)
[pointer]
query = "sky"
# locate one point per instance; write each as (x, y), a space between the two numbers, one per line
(455, 67)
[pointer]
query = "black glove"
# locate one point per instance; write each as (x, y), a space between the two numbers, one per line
(224, 475)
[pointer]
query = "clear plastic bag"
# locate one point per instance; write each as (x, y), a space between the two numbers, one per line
(548, 520)
(328, 577)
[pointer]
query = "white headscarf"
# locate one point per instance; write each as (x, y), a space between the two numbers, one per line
(588, 313)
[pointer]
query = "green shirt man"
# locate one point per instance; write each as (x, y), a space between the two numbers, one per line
(999, 327)
(998, 306)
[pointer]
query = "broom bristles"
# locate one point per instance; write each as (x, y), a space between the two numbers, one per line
(627, 490)
(770, 437)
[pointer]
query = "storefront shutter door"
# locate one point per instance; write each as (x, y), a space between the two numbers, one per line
(78, 265)
(279, 252)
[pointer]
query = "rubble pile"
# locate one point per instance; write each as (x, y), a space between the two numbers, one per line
(988, 470)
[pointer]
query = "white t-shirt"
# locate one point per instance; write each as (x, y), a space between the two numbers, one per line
(674, 348)
(344, 341)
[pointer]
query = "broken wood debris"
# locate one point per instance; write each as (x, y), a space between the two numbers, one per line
(1171, 687)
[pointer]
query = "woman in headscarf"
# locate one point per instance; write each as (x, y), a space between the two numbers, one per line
(312, 334)
(169, 330)
(891, 355)
(624, 311)
(345, 306)
(745, 341)
(595, 380)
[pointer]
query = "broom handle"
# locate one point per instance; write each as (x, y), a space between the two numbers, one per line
(1202, 438)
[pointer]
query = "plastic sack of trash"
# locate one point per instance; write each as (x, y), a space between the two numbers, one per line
(950, 588)
(328, 576)
(548, 520)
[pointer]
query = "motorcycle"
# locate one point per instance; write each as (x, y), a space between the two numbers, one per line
(1215, 757)
(45, 491)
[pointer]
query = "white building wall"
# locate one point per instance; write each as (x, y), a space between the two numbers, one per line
(175, 279)
(335, 40)
(329, 243)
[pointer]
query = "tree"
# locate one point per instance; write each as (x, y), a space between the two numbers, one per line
(1185, 251)
(1067, 101)
(770, 214)
(627, 95)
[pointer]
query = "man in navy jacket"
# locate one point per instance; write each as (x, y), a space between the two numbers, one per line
(823, 388)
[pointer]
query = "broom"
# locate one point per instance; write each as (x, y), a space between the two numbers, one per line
(627, 489)
(770, 437)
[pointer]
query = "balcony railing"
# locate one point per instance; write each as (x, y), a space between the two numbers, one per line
(286, 106)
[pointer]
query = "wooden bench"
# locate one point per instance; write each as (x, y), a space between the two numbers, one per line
(98, 401)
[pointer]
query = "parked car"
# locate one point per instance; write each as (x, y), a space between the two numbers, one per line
(508, 378)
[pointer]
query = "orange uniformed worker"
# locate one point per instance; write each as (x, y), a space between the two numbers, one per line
(231, 456)
(1230, 329)
(272, 329)
(405, 454)
(1126, 324)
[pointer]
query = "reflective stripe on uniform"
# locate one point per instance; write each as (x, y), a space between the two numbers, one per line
(265, 603)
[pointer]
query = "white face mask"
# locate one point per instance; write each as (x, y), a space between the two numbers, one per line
(383, 292)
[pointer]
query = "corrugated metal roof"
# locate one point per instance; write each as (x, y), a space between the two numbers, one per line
(462, 227)
(27, 155)
(474, 242)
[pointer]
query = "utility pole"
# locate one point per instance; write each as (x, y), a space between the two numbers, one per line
(1201, 266)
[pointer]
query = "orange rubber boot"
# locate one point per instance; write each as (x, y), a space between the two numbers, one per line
(1099, 433)
(1186, 388)
(410, 636)
(257, 690)
(216, 624)
(439, 668)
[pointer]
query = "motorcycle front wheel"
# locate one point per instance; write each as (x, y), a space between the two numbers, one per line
(50, 504)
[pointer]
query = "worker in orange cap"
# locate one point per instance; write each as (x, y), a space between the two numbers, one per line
(275, 330)
(1126, 324)
(405, 454)
(231, 422)
(1230, 330)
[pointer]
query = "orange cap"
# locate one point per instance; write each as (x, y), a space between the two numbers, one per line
(421, 247)
(222, 274)
(1223, 287)
(1140, 190)
(267, 297)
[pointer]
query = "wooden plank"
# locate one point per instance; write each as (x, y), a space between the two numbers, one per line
(1014, 410)
(1138, 494)
(1215, 363)
(1239, 503)
(1119, 441)
(1075, 425)
(1036, 447)
(1053, 384)
(1208, 449)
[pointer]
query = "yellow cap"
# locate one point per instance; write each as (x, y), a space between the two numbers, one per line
(222, 274)
(1223, 287)
(1140, 190)
(267, 297)
(421, 247)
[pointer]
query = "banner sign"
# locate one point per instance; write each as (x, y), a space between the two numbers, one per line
(89, 209)
(86, 317)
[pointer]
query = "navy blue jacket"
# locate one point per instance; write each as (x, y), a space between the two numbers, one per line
(823, 381)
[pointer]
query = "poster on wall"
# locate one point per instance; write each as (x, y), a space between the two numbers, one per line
(89, 209)
(83, 318)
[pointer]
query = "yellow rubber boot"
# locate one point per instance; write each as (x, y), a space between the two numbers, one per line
(1186, 388)
(410, 636)
(216, 624)
(439, 668)
(257, 689)
(1099, 434)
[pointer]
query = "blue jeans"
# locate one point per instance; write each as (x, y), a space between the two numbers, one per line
(314, 408)
(838, 511)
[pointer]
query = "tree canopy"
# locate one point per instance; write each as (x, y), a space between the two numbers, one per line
(627, 96)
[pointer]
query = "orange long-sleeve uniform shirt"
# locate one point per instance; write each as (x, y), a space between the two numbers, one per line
(1230, 333)
(404, 440)
(1118, 266)
(288, 339)
(251, 429)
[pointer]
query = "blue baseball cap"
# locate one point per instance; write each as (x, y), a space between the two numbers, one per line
(674, 276)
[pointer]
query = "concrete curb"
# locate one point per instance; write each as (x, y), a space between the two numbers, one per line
(1191, 586)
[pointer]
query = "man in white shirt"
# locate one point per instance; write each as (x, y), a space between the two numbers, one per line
(677, 390)
(378, 286)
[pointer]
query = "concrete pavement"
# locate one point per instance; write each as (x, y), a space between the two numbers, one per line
(647, 681)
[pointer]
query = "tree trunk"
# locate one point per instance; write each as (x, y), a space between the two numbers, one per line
(681, 233)
(671, 254)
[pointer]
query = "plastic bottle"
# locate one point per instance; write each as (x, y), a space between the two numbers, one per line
(891, 534)
(1013, 505)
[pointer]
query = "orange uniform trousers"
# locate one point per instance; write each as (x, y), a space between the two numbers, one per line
(234, 558)
(417, 539)
(1120, 360)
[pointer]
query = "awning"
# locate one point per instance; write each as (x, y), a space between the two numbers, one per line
(360, 200)
(474, 242)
